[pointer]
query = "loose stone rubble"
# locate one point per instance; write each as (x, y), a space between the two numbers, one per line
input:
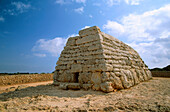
(98, 61)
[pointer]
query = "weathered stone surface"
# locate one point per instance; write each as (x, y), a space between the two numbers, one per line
(63, 86)
(74, 86)
(116, 82)
(98, 61)
(96, 78)
(96, 87)
(106, 87)
(87, 86)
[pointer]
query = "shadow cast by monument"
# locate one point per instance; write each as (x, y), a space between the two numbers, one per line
(48, 90)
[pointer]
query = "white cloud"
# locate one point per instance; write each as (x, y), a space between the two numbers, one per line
(90, 16)
(132, 2)
(21, 7)
(17, 8)
(73, 35)
(61, 2)
(112, 2)
(128, 2)
(114, 28)
(148, 33)
(80, 1)
(79, 10)
(40, 55)
(85, 27)
(2, 19)
(53, 46)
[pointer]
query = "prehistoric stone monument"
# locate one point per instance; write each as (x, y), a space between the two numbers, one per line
(98, 61)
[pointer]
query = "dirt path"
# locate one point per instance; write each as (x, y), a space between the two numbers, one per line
(153, 95)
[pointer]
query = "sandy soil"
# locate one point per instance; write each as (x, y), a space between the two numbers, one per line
(153, 95)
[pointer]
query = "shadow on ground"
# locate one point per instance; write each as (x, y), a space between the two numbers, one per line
(49, 90)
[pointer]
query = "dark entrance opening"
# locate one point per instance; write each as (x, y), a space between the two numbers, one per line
(76, 77)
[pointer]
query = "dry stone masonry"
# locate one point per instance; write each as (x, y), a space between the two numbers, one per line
(98, 61)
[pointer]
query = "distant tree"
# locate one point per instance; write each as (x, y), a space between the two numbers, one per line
(167, 68)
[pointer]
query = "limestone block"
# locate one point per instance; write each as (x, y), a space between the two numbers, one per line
(118, 74)
(102, 67)
(63, 86)
(65, 77)
(149, 74)
(89, 31)
(117, 66)
(59, 62)
(139, 75)
(96, 78)
(126, 67)
(55, 76)
(76, 68)
(100, 61)
(145, 77)
(110, 37)
(74, 86)
(96, 87)
(95, 47)
(116, 82)
(87, 86)
(90, 62)
(136, 80)
(127, 79)
(105, 76)
(99, 56)
(87, 39)
(85, 77)
(106, 87)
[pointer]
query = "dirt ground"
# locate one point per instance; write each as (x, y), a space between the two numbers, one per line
(153, 95)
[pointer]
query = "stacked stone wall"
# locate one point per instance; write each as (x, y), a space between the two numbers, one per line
(21, 79)
(99, 61)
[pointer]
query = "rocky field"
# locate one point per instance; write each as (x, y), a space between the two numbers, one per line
(153, 95)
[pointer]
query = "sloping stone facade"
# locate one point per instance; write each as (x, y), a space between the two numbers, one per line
(98, 61)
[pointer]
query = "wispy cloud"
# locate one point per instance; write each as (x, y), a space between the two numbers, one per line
(133, 2)
(85, 27)
(17, 8)
(2, 19)
(39, 55)
(148, 33)
(112, 2)
(114, 28)
(61, 2)
(21, 7)
(79, 10)
(80, 1)
(90, 16)
(128, 2)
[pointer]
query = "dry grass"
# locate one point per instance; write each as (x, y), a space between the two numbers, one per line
(21, 79)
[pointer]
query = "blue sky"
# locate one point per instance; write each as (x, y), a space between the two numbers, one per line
(34, 32)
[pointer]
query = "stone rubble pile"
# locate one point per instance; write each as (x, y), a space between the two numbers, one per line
(98, 61)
